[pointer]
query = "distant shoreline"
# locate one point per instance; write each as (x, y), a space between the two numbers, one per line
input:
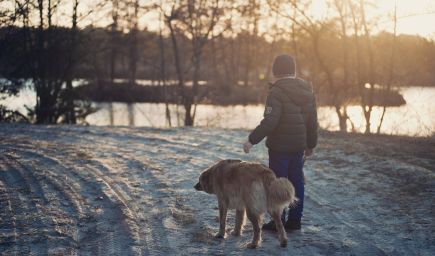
(209, 94)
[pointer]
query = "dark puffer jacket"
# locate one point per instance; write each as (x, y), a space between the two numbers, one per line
(290, 117)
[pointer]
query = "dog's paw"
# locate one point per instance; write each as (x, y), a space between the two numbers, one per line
(283, 243)
(219, 235)
(252, 245)
(236, 233)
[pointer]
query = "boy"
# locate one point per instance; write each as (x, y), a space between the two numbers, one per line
(290, 124)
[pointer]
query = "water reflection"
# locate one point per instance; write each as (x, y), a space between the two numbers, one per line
(414, 118)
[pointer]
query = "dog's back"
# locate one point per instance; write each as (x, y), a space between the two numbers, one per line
(253, 186)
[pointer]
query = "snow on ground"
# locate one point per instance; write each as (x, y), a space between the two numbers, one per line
(129, 191)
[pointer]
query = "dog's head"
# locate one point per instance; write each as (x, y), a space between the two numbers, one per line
(206, 178)
(205, 182)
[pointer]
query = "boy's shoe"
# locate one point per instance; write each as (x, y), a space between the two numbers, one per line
(291, 225)
(269, 226)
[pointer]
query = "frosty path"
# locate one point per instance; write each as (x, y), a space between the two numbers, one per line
(129, 191)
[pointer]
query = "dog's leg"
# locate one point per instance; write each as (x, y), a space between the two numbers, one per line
(276, 215)
(255, 219)
(240, 217)
(222, 220)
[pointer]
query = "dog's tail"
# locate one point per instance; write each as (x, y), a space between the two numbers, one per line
(280, 191)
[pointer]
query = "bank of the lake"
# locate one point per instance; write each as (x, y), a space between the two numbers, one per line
(415, 118)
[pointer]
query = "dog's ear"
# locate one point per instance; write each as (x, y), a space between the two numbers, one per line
(224, 163)
(206, 181)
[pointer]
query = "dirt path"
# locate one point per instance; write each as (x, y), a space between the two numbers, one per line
(128, 191)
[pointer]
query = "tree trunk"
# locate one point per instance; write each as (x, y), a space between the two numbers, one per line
(342, 117)
(113, 54)
(162, 79)
(70, 116)
(369, 102)
(133, 45)
(186, 96)
(130, 114)
(391, 70)
(188, 120)
(196, 72)
(42, 86)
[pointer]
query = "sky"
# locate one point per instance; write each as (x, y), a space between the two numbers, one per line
(415, 17)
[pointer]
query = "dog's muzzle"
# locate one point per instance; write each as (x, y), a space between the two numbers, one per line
(198, 186)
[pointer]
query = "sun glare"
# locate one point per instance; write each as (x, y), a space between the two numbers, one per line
(414, 17)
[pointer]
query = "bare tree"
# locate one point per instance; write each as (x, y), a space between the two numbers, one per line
(47, 86)
(391, 70)
(342, 8)
(113, 51)
(133, 54)
(367, 99)
(196, 19)
(162, 77)
(180, 74)
(70, 115)
(315, 29)
(252, 14)
(366, 74)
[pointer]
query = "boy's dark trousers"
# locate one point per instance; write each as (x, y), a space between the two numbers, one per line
(290, 165)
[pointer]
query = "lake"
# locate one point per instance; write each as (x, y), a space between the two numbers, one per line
(415, 118)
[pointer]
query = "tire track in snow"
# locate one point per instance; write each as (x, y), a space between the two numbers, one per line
(8, 217)
(156, 234)
(29, 219)
(120, 196)
(155, 179)
(160, 232)
(65, 205)
(58, 208)
(108, 243)
(112, 224)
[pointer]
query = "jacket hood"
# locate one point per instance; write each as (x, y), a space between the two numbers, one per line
(299, 91)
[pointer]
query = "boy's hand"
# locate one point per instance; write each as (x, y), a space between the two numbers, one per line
(308, 152)
(247, 147)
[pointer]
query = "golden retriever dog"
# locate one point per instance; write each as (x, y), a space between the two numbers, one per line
(251, 188)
